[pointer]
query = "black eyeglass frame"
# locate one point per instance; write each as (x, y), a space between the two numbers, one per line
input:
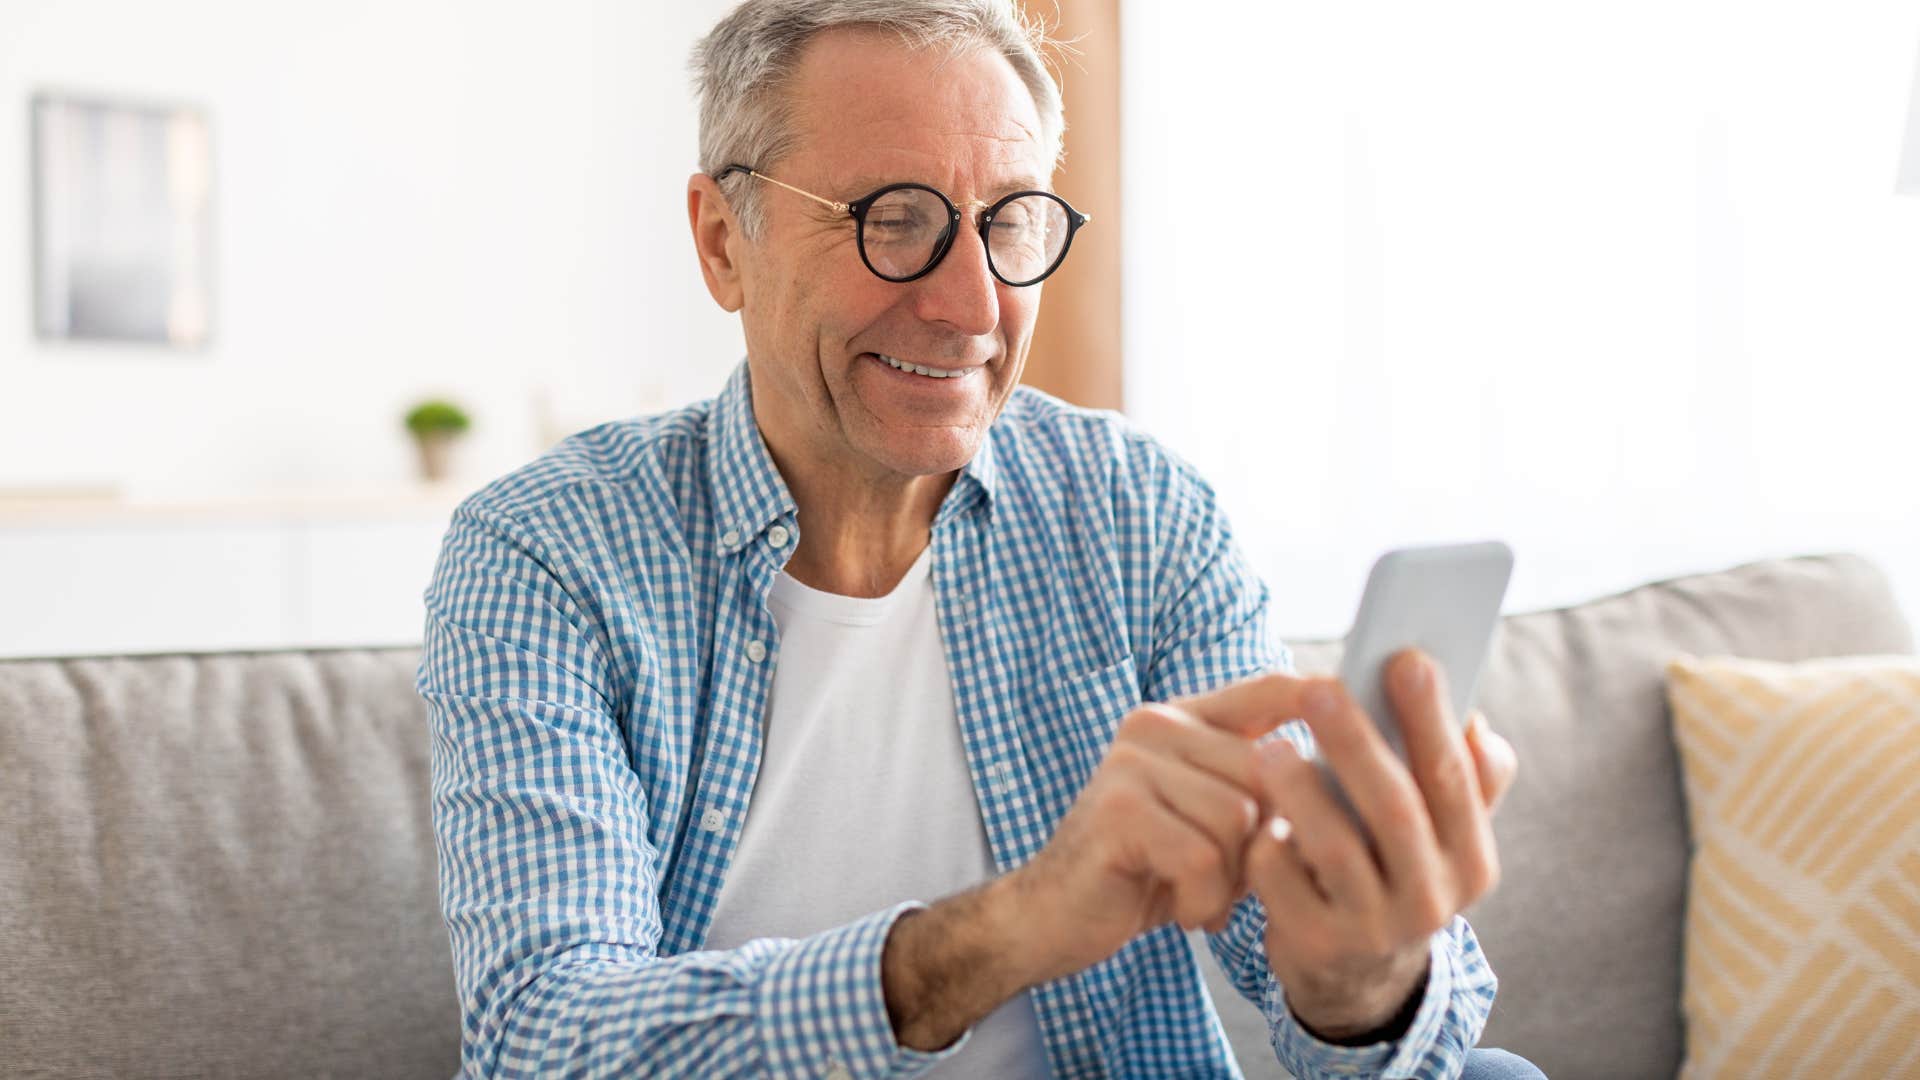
(858, 208)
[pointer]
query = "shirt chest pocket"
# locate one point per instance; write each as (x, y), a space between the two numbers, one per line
(1072, 720)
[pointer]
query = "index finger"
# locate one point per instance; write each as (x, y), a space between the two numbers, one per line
(1251, 707)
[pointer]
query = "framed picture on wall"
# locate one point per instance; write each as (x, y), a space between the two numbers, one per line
(122, 207)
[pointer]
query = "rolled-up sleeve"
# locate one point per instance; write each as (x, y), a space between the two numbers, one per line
(549, 884)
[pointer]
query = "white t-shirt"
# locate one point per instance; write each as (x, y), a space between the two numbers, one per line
(863, 797)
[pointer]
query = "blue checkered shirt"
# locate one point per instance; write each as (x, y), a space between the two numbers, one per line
(598, 656)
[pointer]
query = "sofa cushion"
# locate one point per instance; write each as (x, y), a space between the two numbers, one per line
(224, 865)
(1585, 929)
(1803, 906)
(220, 866)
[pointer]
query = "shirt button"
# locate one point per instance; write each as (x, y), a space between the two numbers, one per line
(837, 1071)
(756, 651)
(778, 536)
(730, 538)
(712, 820)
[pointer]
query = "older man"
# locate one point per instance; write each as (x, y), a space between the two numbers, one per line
(880, 718)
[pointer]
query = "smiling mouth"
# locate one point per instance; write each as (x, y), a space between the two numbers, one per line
(922, 369)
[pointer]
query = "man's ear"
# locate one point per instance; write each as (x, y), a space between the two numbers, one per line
(717, 240)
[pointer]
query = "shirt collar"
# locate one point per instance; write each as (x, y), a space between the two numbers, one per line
(977, 482)
(749, 494)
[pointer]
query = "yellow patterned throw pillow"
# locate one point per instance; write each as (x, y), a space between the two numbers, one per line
(1803, 904)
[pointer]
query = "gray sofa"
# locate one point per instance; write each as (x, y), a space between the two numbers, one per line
(222, 865)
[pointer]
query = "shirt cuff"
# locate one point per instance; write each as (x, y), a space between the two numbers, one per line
(825, 1014)
(1309, 1058)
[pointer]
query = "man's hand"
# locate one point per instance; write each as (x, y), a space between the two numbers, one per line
(1157, 834)
(1349, 922)
(1160, 830)
(1170, 828)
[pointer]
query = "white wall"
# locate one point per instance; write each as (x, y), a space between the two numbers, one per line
(476, 199)
(1625, 284)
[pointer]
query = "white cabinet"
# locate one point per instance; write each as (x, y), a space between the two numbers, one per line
(93, 579)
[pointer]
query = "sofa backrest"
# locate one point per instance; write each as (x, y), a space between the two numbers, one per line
(220, 866)
(224, 865)
(1585, 928)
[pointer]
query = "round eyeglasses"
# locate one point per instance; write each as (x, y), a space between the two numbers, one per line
(904, 230)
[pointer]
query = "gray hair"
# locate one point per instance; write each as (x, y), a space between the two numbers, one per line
(740, 67)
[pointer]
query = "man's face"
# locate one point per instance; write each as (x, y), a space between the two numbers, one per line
(869, 112)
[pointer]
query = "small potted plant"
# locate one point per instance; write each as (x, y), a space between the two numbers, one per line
(435, 425)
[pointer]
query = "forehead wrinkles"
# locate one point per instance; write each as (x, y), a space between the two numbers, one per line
(986, 163)
(856, 92)
(994, 141)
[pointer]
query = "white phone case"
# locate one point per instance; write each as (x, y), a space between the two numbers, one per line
(1443, 599)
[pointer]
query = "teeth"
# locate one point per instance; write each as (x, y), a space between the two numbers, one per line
(921, 369)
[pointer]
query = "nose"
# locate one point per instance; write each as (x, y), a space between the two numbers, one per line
(961, 292)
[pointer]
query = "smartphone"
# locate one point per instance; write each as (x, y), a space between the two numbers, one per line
(1442, 599)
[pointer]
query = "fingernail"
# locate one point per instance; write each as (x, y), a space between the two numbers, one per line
(1506, 747)
(1277, 748)
(1480, 734)
(1484, 734)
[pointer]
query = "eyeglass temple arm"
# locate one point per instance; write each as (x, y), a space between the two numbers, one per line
(840, 206)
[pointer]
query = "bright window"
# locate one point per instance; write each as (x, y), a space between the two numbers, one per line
(1624, 284)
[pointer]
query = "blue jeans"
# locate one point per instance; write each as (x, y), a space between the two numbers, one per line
(1499, 1065)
